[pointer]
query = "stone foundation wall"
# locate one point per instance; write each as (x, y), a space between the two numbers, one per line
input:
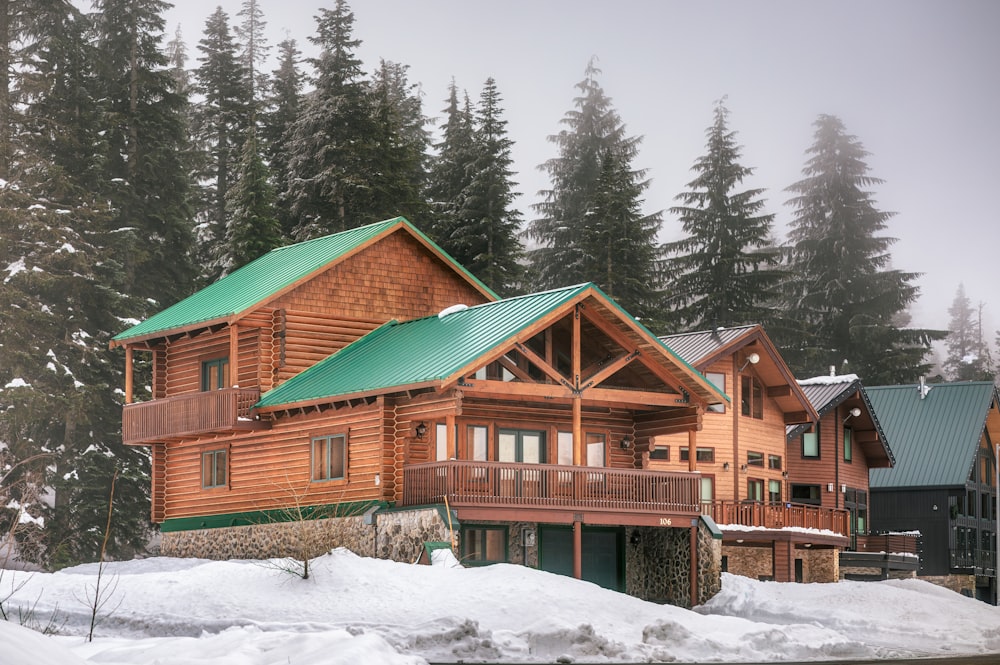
(658, 561)
(753, 561)
(963, 584)
(397, 535)
(819, 565)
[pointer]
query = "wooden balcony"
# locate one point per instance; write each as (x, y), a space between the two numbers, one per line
(647, 497)
(889, 543)
(188, 415)
(778, 515)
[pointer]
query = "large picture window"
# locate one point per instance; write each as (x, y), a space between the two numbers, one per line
(517, 445)
(214, 468)
(329, 457)
(751, 397)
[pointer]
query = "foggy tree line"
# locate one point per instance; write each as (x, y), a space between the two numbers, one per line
(135, 169)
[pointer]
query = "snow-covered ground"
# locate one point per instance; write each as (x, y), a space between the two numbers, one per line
(358, 610)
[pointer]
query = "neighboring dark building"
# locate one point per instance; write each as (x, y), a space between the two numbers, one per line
(944, 437)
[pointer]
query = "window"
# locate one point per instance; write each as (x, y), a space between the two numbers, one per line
(478, 437)
(707, 489)
(806, 494)
(329, 457)
(751, 397)
(856, 501)
(755, 459)
(484, 544)
(810, 445)
(215, 374)
(774, 491)
(564, 445)
(213, 468)
(703, 454)
(717, 379)
(755, 489)
(440, 442)
(595, 449)
(516, 445)
(660, 453)
(848, 436)
(774, 462)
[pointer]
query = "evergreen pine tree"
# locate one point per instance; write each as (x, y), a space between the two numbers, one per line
(592, 129)
(282, 109)
(399, 148)
(841, 287)
(968, 353)
(619, 242)
(253, 228)
(725, 271)
(144, 174)
(450, 170)
(484, 238)
(255, 49)
(329, 146)
(221, 123)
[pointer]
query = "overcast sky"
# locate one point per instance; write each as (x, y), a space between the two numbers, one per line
(915, 80)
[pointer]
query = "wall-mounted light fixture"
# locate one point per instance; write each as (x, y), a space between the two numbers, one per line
(421, 430)
(751, 359)
(784, 474)
(626, 442)
(853, 413)
(725, 466)
(743, 468)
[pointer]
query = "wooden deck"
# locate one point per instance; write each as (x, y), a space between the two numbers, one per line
(496, 486)
(778, 515)
(188, 415)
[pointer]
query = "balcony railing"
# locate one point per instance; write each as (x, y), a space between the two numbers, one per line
(889, 543)
(778, 515)
(188, 415)
(500, 484)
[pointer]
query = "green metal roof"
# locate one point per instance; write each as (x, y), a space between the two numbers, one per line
(420, 351)
(268, 276)
(934, 438)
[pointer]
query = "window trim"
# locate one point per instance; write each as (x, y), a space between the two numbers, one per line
(685, 455)
(222, 364)
(755, 459)
(214, 452)
(802, 441)
(466, 556)
(327, 476)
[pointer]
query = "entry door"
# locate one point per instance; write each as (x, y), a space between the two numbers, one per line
(523, 447)
(601, 554)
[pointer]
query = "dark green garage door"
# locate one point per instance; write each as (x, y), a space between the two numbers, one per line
(602, 554)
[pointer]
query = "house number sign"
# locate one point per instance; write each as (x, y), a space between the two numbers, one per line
(666, 521)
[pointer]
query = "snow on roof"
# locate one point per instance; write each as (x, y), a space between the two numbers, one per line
(829, 380)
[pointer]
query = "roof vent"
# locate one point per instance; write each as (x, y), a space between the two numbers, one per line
(923, 388)
(451, 310)
(833, 370)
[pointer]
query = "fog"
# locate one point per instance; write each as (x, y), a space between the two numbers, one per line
(914, 80)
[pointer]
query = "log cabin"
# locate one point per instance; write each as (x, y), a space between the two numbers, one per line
(364, 390)
(945, 437)
(749, 481)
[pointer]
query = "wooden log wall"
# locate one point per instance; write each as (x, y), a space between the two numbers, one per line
(395, 278)
(158, 468)
(309, 337)
(183, 359)
(271, 469)
(732, 435)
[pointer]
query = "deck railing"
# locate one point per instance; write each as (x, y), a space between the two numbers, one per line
(889, 543)
(501, 484)
(189, 414)
(778, 515)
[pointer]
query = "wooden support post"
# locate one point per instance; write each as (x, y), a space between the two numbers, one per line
(578, 550)
(579, 456)
(692, 450)
(450, 436)
(694, 564)
(129, 379)
(234, 357)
